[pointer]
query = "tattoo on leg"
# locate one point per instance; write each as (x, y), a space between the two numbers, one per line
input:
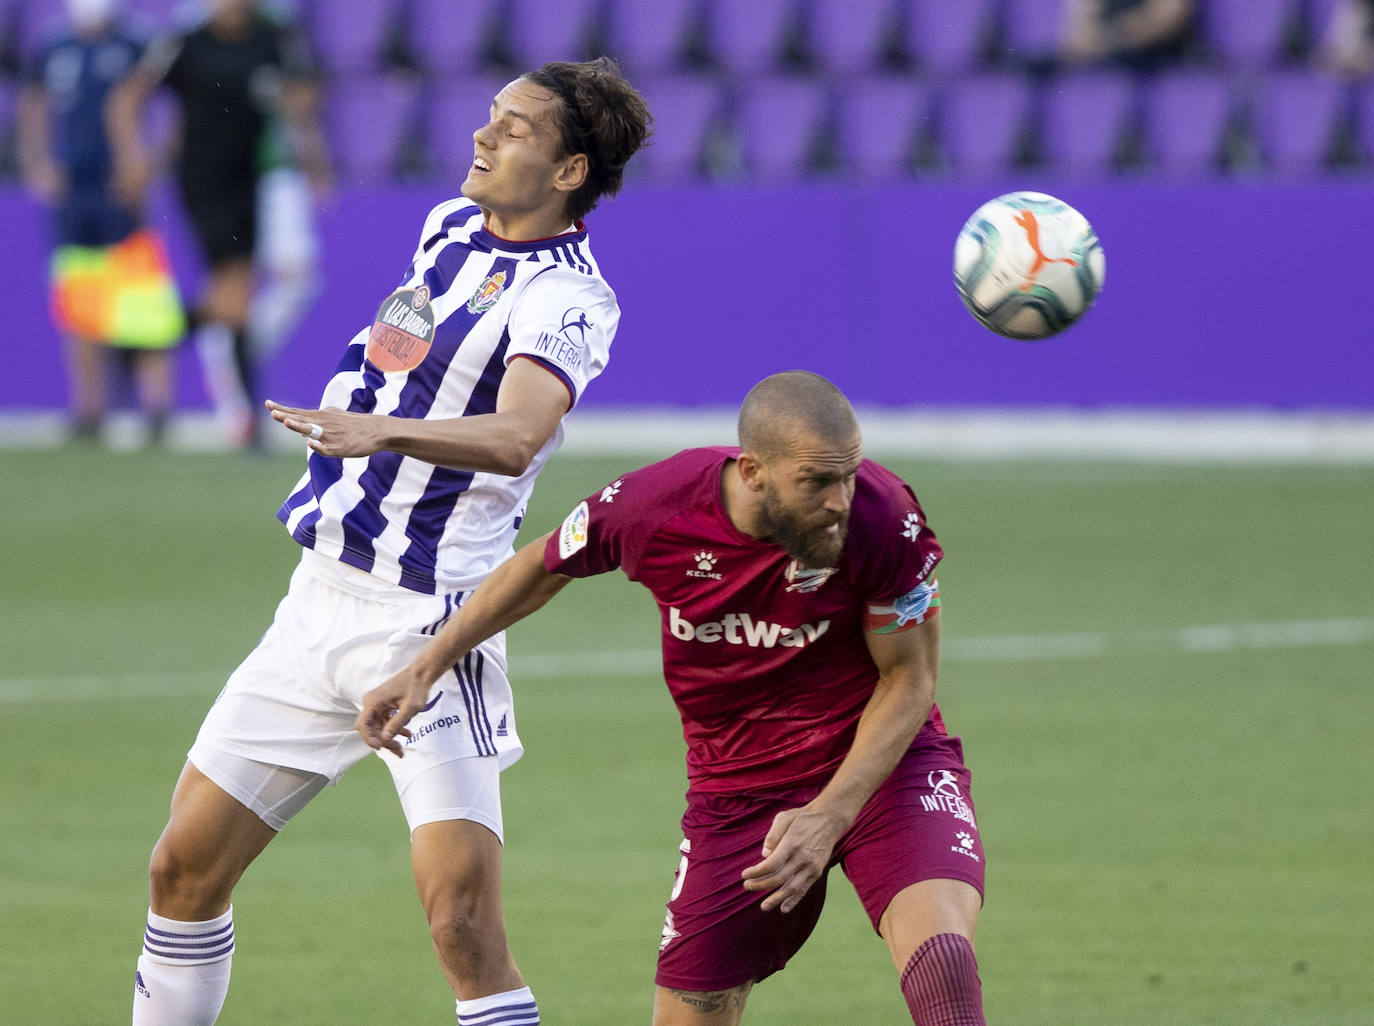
(711, 1002)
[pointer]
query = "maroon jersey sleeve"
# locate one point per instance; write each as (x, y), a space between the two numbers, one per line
(611, 528)
(899, 554)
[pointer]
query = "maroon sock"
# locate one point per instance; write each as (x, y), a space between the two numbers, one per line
(941, 984)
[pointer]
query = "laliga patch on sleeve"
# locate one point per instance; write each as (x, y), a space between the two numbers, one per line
(572, 536)
(402, 331)
(566, 345)
(913, 608)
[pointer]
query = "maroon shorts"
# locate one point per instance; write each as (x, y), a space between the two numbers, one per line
(918, 826)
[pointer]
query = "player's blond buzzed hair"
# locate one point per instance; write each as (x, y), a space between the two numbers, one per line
(780, 404)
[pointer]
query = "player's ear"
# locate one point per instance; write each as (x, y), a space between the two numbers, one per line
(751, 471)
(572, 173)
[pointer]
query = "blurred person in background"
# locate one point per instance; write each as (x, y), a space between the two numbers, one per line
(1139, 34)
(1349, 44)
(247, 89)
(65, 160)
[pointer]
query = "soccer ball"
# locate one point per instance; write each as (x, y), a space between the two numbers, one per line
(1028, 265)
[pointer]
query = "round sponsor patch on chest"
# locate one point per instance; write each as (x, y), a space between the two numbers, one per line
(402, 331)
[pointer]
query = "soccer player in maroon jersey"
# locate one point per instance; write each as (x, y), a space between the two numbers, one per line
(800, 642)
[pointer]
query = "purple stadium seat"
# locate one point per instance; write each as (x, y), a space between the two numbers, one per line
(847, 36)
(1247, 33)
(539, 31)
(651, 37)
(349, 37)
(778, 122)
(747, 36)
(685, 109)
(1296, 117)
(455, 107)
(879, 121)
(1034, 30)
(162, 13)
(1318, 15)
(366, 119)
(1085, 114)
(32, 26)
(948, 35)
(1186, 115)
(445, 43)
(982, 118)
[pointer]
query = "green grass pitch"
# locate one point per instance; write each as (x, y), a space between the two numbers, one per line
(1179, 820)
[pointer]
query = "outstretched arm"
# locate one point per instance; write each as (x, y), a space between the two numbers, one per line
(799, 844)
(529, 405)
(515, 589)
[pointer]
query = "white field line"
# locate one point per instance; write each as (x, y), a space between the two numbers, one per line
(1143, 434)
(1223, 637)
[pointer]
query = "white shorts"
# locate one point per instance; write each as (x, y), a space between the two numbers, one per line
(286, 240)
(292, 703)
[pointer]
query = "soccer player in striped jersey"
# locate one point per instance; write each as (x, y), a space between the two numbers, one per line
(800, 635)
(421, 460)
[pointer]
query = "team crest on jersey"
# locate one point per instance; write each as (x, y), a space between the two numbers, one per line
(488, 294)
(801, 578)
(402, 331)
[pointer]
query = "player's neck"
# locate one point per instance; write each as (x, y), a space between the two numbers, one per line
(741, 505)
(533, 228)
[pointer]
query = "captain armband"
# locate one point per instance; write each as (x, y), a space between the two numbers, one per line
(905, 612)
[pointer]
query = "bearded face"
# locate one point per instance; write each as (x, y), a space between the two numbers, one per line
(813, 538)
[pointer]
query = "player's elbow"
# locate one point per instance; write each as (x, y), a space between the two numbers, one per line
(514, 456)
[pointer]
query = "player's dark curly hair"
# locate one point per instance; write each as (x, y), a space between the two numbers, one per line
(601, 116)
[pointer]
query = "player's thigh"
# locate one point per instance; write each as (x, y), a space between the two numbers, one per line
(457, 866)
(915, 855)
(454, 812)
(209, 840)
(925, 909)
(716, 935)
(674, 1007)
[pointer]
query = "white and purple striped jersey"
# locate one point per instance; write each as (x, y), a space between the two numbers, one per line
(439, 349)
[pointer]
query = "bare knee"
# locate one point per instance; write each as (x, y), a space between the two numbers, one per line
(207, 844)
(183, 886)
(469, 935)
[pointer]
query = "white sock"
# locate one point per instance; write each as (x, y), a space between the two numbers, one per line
(278, 308)
(510, 1008)
(223, 382)
(183, 971)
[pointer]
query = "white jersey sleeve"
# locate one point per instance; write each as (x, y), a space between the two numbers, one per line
(565, 321)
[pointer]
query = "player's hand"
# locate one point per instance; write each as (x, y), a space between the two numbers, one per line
(387, 709)
(333, 432)
(795, 854)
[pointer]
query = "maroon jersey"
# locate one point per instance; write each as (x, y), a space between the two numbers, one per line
(765, 659)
